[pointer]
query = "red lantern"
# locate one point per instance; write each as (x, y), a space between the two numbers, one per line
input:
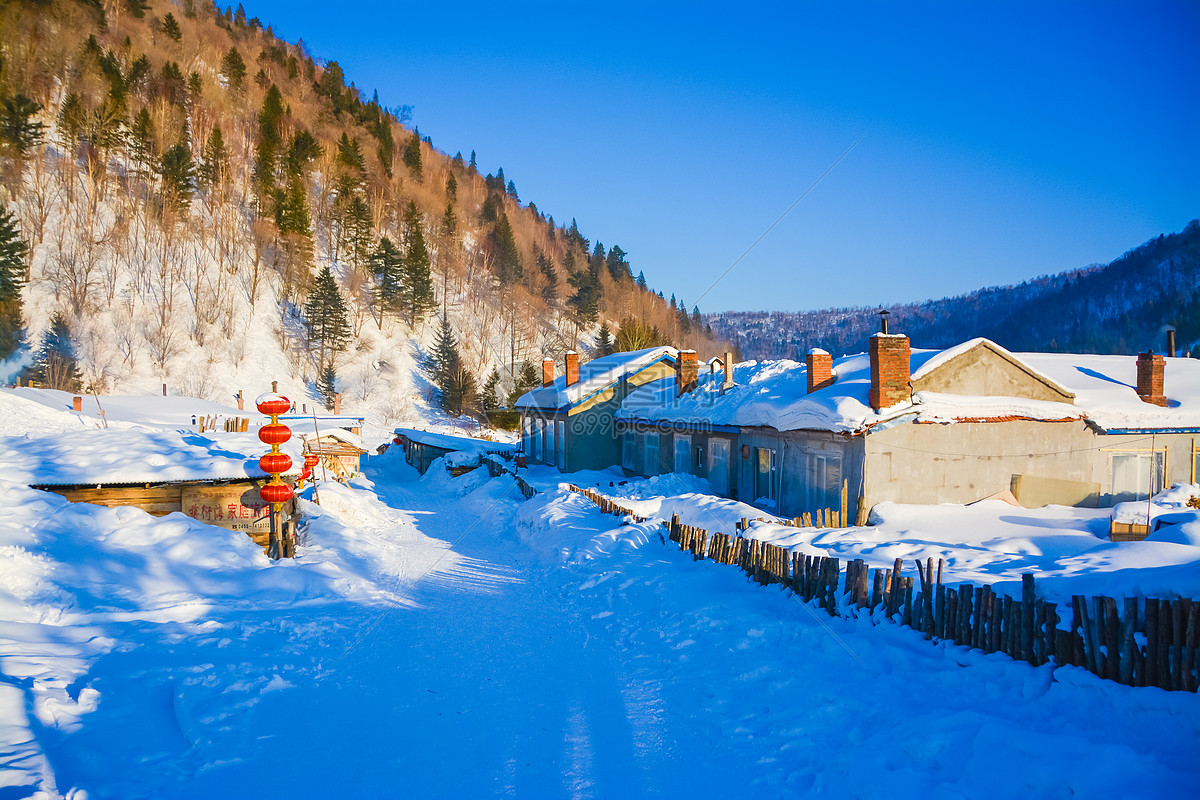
(273, 404)
(274, 434)
(306, 474)
(311, 460)
(276, 493)
(275, 463)
(397, 440)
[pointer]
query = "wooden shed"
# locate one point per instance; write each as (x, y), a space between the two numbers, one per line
(340, 452)
(213, 478)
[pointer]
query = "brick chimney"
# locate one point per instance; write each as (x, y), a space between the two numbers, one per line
(572, 367)
(820, 369)
(547, 371)
(890, 354)
(1150, 378)
(687, 374)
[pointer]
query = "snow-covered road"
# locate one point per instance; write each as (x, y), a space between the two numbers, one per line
(443, 638)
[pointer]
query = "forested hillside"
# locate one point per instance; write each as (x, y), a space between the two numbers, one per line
(190, 200)
(1123, 307)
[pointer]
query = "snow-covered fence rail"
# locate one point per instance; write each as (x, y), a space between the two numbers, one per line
(1137, 642)
(496, 468)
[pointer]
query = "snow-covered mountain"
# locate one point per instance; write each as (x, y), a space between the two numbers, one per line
(181, 176)
(1123, 307)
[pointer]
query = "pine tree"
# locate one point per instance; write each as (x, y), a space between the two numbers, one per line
(325, 316)
(292, 213)
(327, 387)
(55, 365)
(452, 187)
(18, 128)
(356, 231)
(488, 396)
(214, 163)
(550, 287)
(418, 277)
(170, 27)
(458, 392)
(141, 142)
(233, 67)
(504, 247)
(449, 221)
(350, 156)
(412, 155)
(444, 353)
(618, 266)
(387, 265)
(526, 380)
(641, 280)
(12, 276)
(179, 176)
(585, 303)
(604, 342)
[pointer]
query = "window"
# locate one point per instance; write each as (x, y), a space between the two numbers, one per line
(539, 427)
(561, 439)
(683, 453)
(823, 483)
(1137, 475)
(766, 477)
(650, 454)
(527, 435)
(627, 450)
(550, 449)
(718, 467)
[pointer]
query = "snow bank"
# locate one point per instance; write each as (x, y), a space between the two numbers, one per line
(135, 456)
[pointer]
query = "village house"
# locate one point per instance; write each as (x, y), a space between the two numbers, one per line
(568, 422)
(422, 448)
(924, 426)
(214, 478)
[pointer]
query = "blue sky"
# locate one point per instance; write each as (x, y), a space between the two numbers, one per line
(998, 141)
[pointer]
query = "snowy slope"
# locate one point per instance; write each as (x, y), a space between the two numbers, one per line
(438, 638)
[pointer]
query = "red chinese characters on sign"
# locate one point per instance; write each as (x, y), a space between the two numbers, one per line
(223, 506)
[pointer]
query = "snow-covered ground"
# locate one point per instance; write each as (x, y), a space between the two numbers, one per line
(441, 636)
(988, 542)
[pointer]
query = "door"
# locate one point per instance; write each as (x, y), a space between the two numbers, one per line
(683, 454)
(718, 466)
(560, 440)
(765, 484)
(650, 460)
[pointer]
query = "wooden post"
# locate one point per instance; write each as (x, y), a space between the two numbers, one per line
(1128, 626)
(1164, 639)
(1190, 647)
(1028, 597)
(1177, 624)
(845, 520)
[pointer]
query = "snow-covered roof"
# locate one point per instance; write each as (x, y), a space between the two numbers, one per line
(461, 444)
(108, 457)
(594, 376)
(340, 434)
(775, 394)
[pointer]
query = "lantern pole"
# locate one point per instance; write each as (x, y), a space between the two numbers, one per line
(276, 492)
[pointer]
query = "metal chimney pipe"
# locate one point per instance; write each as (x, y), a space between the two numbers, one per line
(1171, 343)
(883, 321)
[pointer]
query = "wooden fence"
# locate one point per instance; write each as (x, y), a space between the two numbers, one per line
(1136, 641)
